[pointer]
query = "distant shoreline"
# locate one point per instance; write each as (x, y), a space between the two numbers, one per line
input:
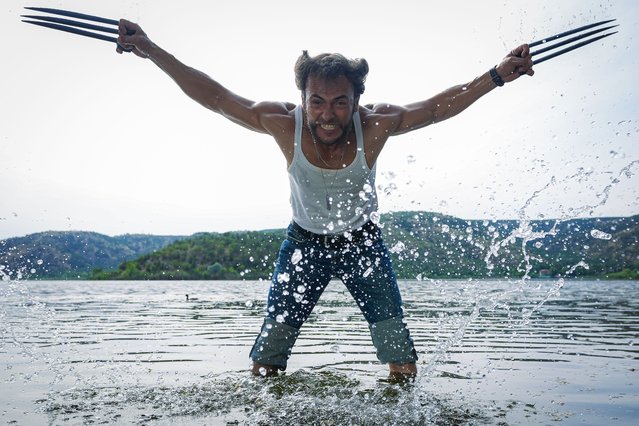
(422, 244)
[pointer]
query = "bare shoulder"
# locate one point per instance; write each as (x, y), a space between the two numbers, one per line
(275, 117)
(381, 117)
(278, 119)
(278, 111)
(379, 122)
(275, 108)
(384, 108)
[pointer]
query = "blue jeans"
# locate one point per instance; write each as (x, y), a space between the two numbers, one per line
(306, 264)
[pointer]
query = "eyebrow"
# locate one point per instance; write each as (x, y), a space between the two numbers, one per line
(332, 100)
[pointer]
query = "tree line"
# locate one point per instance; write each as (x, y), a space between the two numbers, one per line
(423, 245)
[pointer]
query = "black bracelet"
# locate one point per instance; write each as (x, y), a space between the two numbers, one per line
(496, 78)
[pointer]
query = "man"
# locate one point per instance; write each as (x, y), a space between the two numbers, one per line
(331, 144)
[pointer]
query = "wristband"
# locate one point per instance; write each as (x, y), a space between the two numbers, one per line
(496, 78)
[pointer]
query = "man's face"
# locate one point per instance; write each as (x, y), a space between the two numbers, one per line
(329, 107)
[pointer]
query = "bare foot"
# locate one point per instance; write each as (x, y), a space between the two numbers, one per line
(402, 372)
(263, 370)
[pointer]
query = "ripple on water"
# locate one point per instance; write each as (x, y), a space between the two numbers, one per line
(118, 355)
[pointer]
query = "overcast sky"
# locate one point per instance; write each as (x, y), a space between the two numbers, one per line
(92, 140)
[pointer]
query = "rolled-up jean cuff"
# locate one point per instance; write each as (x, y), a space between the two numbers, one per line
(274, 344)
(393, 342)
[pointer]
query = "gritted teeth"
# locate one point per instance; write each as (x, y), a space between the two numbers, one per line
(328, 126)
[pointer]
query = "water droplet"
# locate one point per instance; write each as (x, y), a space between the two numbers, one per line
(398, 247)
(297, 256)
(600, 235)
(248, 304)
(367, 272)
(445, 228)
(284, 277)
(40, 262)
(375, 218)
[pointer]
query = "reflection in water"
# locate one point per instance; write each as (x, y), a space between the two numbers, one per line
(138, 351)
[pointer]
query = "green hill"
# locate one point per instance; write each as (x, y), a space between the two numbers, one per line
(455, 248)
(230, 255)
(423, 245)
(72, 254)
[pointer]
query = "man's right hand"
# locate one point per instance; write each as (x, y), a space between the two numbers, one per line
(132, 38)
(517, 63)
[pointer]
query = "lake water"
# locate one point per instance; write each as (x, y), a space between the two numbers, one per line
(491, 352)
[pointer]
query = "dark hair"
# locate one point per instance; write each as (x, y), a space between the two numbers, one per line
(330, 66)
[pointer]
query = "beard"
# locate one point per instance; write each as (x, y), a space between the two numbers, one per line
(345, 131)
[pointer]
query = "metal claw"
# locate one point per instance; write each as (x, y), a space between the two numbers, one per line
(72, 23)
(73, 30)
(72, 26)
(570, 40)
(573, 47)
(74, 15)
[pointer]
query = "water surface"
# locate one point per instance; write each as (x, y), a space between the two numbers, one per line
(491, 352)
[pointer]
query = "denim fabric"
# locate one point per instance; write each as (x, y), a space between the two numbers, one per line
(305, 267)
(274, 344)
(393, 342)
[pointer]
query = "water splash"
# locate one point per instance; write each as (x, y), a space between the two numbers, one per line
(303, 397)
(525, 234)
(24, 345)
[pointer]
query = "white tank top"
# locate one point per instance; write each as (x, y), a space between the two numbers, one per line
(328, 201)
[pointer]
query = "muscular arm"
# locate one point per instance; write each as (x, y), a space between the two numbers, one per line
(260, 117)
(452, 101)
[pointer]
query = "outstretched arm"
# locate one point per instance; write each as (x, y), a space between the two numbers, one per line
(454, 100)
(200, 87)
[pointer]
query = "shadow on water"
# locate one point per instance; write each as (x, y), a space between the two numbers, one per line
(302, 397)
